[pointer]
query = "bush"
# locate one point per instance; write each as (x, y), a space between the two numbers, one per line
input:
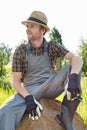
(5, 84)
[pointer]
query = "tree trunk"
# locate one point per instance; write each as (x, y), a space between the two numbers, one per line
(47, 120)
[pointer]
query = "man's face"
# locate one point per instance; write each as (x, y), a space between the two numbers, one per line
(34, 32)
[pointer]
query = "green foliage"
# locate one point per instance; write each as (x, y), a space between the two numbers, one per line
(83, 53)
(56, 36)
(5, 53)
(5, 84)
(5, 70)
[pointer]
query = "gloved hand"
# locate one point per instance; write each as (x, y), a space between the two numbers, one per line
(33, 107)
(72, 88)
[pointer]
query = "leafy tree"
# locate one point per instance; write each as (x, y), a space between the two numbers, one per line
(83, 53)
(56, 36)
(5, 53)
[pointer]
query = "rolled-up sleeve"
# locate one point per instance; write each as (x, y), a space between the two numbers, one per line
(57, 50)
(17, 61)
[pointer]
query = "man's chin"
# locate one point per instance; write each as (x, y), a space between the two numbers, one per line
(30, 38)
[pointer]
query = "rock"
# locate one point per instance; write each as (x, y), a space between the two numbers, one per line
(47, 120)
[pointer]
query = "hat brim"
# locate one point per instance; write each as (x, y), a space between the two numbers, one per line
(30, 21)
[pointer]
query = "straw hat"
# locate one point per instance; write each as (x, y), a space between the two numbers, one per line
(39, 18)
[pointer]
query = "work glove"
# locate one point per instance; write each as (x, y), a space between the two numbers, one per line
(72, 88)
(33, 107)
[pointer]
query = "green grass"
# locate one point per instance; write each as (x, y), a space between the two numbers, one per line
(82, 108)
(4, 95)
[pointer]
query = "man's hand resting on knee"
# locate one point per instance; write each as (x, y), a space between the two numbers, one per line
(72, 88)
(33, 107)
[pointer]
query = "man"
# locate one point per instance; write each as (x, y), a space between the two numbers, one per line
(33, 78)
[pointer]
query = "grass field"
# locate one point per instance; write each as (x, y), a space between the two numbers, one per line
(4, 95)
(82, 109)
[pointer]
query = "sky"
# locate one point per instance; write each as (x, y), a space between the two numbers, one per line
(68, 16)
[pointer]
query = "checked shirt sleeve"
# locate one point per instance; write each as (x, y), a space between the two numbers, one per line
(18, 59)
(57, 50)
(16, 63)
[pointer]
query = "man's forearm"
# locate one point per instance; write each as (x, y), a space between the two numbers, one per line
(20, 89)
(76, 64)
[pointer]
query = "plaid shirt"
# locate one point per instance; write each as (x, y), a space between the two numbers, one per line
(20, 64)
